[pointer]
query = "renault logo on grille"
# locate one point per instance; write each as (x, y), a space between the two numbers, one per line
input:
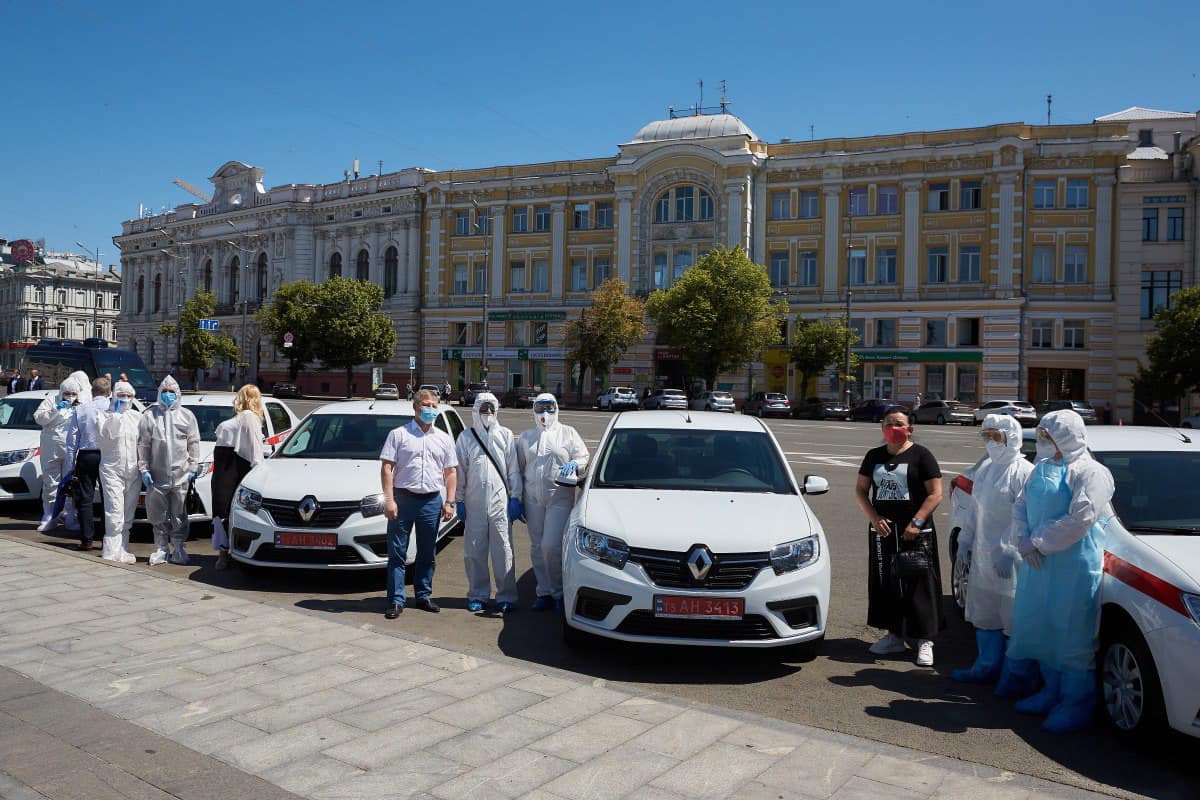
(307, 508)
(699, 561)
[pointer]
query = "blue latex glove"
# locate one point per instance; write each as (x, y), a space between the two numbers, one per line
(516, 510)
(62, 404)
(147, 481)
(568, 469)
(460, 508)
(196, 473)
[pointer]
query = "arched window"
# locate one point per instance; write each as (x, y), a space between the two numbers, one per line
(335, 265)
(141, 293)
(261, 282)
(150, 351)
(363, 266)
(391, 271)
(683, 204)
(158, 293)
(208, 275)
(234, 290)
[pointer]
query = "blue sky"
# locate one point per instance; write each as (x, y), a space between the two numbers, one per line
(106, 102)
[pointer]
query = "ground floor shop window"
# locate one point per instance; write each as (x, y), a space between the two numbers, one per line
(967, 385)
(1054, 383)
(935, 382)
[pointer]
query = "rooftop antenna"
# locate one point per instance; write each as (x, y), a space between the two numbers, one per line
(1049, 102)
(356, 169)
(724, 97)
(380, 163)
(700, 105)
(812, 132)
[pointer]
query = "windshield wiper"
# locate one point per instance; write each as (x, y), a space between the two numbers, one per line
(1184, 530)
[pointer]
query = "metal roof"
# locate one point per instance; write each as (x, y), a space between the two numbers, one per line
(1138, 113)
(699, 126)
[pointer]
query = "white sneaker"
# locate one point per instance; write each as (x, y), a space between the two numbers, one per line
(888, 645)
(924, 653)
(46, 524)
(158, 557)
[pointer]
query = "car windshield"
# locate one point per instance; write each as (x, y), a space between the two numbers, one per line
(1154, 490)
(115, 364)
(672, 393)
(692, 460)
(722, 396)
(349, 436)
(776, 396)
(17, 415)
(208, 417)
(623, 391)
(1078, 406)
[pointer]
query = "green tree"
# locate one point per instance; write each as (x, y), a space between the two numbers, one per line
(199, 348)
(347, 328)
(817, 343)
(292, 310)
(1173, 350)
(720, 314)
(602, 333)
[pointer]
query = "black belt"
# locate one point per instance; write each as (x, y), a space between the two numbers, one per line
(419, 495)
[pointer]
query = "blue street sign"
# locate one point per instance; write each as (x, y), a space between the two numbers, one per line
(210, 324)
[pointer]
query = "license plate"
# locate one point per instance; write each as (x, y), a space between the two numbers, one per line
(674, 607)
(306, 541)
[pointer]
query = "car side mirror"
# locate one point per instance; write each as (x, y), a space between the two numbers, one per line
(814, 484)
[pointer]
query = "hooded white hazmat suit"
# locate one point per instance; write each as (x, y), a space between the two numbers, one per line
(543, 450)
(168, 449)
(56, 423)
(120, 478)
(486, 493)
(85, 385)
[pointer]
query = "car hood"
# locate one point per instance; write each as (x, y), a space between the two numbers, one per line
(18, 440)
(1183, 551)
(327, 479)
(734, 522)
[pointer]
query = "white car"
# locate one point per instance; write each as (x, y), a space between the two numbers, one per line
(1023, 412)
(20, 439)
(713, 401)
(961, 487)
(694, 531)
(1150, 619)
(617, 397)
(316, 503)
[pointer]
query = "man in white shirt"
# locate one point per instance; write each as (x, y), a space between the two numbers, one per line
(418, 477)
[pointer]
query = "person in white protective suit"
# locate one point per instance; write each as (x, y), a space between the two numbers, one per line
(168, 452)
(1059, 522)
(547, 451)
(85, 385)
(120, 478)
(490, 488)
(985, 546)
(55, 415)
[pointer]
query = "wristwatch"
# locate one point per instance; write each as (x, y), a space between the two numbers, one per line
(918, 522)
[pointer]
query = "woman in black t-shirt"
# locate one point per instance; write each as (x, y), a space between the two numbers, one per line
(899, 486)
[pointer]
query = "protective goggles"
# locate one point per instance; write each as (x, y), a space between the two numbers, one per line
(545, 406)
(993, 435)
(487, 408)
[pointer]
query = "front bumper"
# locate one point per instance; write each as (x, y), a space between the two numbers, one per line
(589, 586)
(1176, 651)
(362, 543)
(21, 481)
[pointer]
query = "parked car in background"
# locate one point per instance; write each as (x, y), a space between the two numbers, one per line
(941, 412)
(286, 390)
(660, 399)
(713, 401)
(871, 410)
(768, 404)
(1081, 408)
(1022, 411)
(519, 398)
(816, 408)
(387, 391)
(432, 387)
(467, 398)
(617, 398)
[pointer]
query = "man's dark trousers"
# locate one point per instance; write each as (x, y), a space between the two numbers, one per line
(87, 472)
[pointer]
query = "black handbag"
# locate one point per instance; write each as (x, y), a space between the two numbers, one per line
(912, 559)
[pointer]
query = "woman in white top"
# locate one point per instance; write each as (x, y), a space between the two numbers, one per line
(239, 448)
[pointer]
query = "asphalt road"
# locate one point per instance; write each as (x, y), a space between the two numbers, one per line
(844, 688)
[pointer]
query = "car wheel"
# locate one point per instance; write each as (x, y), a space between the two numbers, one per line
(958, 576)
(1130, 690)
(941, 420)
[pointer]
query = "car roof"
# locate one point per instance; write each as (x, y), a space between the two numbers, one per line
(36, 394)
(700, 420)
(373, 407)
(1135, 438)
(208, 399)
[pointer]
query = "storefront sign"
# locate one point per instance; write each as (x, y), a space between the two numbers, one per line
(1170, 198)
(515, 316)
(925, 356)
(622, 370)
(666, 354)
(517, 353)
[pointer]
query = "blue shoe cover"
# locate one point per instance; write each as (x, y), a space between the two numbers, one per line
(987, 664)
(475, 605)
(1047, 698)
(1018, 678)
(1078, 703)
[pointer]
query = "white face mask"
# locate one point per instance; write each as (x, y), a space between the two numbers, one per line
(545, 418)
(487, 420)
(1046, 449)
(995, 450)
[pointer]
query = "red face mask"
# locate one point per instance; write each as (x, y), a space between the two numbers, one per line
(893, 435)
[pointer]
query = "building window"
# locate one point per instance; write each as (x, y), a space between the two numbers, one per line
(208, 275)
(1174, 224)
(1043, 264)
(885, 333)
(1043, 193)
(939, 197)
(116, 302)
(706, 206)
(462, 223)
(968, 331)
(968, 264)
(935, 333)
(579, 275)
(810, 204)
(683, 261)
(858, 267)
(541, 334)
(98, 332)
(541, 276)
(936, 265)
(141, 294)
(968, 383)
(660, 271)
(1073, 334)
(807, 269)
(362, 266)
(541, 218)
(60, 297)
(1075, 265)
(80, 298)
(935, 381)
(483, 221)
(859, 326)
(460, 334)
(518, 333)
(391, 271)
(684, 204)
(235, 266)
(1077, 193)
(99, 300)
(261, 277)
(1149, 224)
(662, 209)
(858, 201)
(516, 276)
(520, 219)
(604, 216)
(601, 271)
(157, 293)
(460, 279)
(1042, 334)
(1146, 137)
(781, 205)
(885, 266)
(1158, 286)
(583, 217)
(335, 265)
(481, 277)
(780, 269)
(970, 195)
(888, 200)
(476, 333)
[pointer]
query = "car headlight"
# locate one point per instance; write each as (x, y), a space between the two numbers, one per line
(249, 500)
(605, 549)
(791, 556)
(371, 505)
(16, 456)
(1192, 603)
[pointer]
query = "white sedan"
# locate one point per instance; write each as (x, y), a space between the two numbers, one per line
(20, 437)
(316, 503)
(693, 530)
(1021, 411)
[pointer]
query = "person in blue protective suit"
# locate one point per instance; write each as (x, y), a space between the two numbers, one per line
(1058, 524)
(983, 545)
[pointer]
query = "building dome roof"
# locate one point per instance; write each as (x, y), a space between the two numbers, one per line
(698, 126)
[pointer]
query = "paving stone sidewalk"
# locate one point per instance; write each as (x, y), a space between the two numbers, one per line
(334, 712)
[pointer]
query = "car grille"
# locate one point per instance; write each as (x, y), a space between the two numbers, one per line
(329, 515)
(644, 623)
(343, 554)
(729, 572)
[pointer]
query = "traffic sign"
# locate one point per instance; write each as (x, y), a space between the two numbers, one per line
(210, 324)
(412, 363)
(289, 338)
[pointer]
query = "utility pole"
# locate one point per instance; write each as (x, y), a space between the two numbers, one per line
(846, 374)
(487, 287)
(849, 292)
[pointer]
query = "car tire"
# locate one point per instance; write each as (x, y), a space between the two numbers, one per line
(804, 651)
(957, 584)
(1135, 710)
(941, 420)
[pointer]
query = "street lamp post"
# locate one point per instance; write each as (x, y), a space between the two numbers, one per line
(483, 353)
(95, 281)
